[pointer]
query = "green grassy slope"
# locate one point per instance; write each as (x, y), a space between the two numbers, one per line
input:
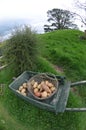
(65, 49)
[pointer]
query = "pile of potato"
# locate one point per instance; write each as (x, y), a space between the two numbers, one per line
(43, 89)
(23, 89)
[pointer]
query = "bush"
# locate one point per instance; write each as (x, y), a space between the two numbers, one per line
(20, 49)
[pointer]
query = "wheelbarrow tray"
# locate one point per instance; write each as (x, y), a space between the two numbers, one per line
(56, 104)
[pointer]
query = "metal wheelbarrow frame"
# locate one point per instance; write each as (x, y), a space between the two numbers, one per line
(56, 104)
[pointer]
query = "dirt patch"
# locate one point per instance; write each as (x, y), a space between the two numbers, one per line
(58, 68)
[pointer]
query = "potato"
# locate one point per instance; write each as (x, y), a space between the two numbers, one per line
(25, 85)
(42, 82)
(44, 94)
(32, 82)
(53, 89)
(23, 90)
(46, 88)
(24, 94)
(35, 90)
(47, 82)
(48, 94)
(39, 86)
(35, 85)
(20, 88)
(50, 85)
(18, 91)
(38, 94)
(41, 89)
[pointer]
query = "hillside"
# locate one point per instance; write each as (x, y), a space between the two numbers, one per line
(63, 49)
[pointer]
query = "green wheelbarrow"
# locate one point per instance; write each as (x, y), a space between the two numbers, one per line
(55, 104)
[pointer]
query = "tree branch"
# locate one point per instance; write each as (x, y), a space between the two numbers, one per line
(82, 20)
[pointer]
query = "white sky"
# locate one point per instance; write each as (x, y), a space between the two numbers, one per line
(29, 8)
(33, 10)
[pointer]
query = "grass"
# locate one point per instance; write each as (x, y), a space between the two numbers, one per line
(24, 116)
(47, 67)
(65, 49)
(7, 122)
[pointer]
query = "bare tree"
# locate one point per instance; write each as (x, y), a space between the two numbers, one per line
(82, 7)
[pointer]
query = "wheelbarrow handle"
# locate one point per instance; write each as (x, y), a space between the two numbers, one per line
(76, 109)
(78, 83)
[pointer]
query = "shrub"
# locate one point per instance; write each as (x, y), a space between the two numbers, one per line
(20, 49)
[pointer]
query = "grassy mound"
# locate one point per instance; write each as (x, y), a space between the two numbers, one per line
(65, 48)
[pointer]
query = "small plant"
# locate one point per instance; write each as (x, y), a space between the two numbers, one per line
(20, 49)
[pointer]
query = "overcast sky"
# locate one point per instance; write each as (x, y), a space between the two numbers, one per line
(35, 11)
